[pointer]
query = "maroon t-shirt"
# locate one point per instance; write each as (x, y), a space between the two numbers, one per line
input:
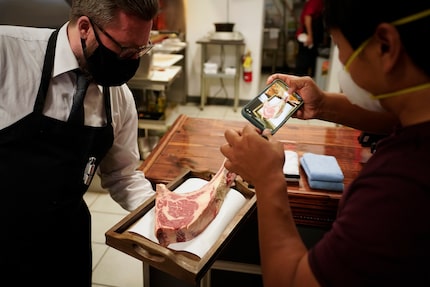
(381, 236)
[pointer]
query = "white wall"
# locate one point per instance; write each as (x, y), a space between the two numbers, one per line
(332, 84)
(248, 16)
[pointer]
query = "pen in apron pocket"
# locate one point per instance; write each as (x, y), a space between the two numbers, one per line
(90, 169)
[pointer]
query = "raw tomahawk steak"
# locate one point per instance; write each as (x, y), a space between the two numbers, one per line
(180, 217)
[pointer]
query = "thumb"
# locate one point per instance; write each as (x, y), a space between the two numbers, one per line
(266, 134)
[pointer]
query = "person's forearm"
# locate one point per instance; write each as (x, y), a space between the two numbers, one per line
(338, 109)
(281, 247)
(308, 25)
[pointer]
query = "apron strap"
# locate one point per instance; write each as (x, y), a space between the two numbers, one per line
(46, 73)
(108, 109)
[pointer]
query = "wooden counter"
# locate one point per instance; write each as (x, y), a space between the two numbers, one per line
(193, 143)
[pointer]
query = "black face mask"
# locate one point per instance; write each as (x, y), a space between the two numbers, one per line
(106, 68)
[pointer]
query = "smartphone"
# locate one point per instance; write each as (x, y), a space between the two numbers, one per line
(273, 107)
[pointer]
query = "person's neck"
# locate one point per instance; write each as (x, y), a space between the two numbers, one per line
(413, 108)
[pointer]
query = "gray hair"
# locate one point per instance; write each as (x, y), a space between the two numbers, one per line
(104, 11)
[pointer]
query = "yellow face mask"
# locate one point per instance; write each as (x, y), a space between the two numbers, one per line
(399, 22)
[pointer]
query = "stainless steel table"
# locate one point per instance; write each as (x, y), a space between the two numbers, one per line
(161, 76)
(238, 43)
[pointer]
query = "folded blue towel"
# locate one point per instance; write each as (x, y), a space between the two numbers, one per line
(323, 171)
(329, 185)
(320, 167)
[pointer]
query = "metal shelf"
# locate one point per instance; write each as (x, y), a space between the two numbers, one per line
(219, 75)
(238, 44)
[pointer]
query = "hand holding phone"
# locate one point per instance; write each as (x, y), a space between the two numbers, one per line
(273, 107)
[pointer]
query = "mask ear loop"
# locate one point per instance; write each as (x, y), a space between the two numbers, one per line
(84, 45)
(355, 54)
(404, 91)
(411, 18)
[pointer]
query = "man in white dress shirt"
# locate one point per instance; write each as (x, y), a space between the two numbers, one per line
(48, 158)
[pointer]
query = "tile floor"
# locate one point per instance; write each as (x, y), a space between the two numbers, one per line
(113, 268)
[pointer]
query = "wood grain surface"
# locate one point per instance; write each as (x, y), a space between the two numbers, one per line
(194, 143)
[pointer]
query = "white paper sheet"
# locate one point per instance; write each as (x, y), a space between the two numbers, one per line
(233, 202)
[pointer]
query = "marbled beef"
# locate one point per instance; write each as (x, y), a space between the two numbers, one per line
(181, 217)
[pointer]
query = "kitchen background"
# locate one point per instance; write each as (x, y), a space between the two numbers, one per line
(272, 48)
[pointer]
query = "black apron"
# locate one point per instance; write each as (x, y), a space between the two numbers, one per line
(46, 235)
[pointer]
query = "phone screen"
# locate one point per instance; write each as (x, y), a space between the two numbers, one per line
(273, 107)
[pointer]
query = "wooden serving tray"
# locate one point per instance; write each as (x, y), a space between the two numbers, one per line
(180, 264)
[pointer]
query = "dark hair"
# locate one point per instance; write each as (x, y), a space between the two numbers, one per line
(357, 20)
(103, 11)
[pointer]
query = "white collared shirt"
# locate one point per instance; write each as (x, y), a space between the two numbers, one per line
(22, 53)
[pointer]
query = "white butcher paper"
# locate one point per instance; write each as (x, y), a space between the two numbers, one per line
(199, 245)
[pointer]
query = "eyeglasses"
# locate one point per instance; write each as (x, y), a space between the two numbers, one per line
(126, 52)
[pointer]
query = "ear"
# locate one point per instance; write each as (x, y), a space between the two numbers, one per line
(84, 26)
(390, 45)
